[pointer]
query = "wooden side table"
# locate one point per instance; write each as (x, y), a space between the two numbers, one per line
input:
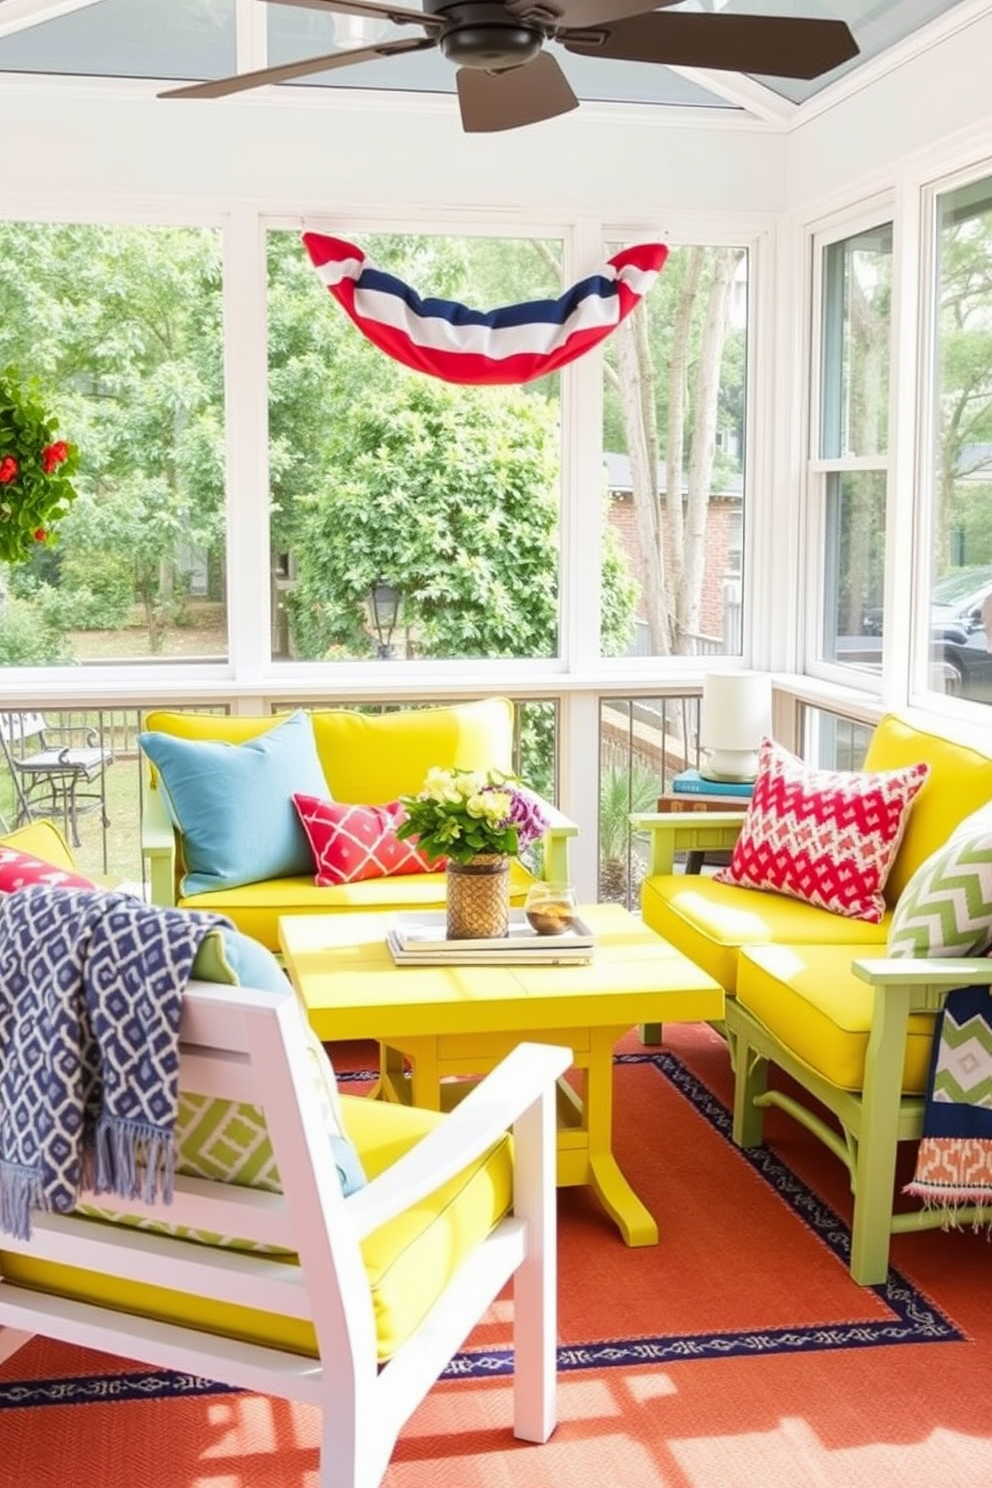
(692, 801)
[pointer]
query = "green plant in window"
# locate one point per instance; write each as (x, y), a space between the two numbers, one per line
(35, 469)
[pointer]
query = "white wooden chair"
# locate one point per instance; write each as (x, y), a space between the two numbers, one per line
(239, 1044)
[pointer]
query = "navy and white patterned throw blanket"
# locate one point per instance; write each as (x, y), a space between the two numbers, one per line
(91, 989)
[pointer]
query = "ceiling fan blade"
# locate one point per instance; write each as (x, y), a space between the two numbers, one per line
(241, 81)
(573, 13)
(398, 14)
(779, 46)
(490, 101)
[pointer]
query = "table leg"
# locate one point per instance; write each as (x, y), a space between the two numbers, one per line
(425, 1078)
(634, 1219)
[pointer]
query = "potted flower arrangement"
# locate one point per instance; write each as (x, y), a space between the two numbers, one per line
(475, 821)
(35, 469)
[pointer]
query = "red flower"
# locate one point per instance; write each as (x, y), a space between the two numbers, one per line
(40, 534)
(8, 470)
(54, 454)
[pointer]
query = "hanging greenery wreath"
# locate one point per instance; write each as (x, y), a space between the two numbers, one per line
(35, 469)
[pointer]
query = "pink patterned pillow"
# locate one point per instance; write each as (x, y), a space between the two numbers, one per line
(350, 843)
(18, 870)
(828, 837)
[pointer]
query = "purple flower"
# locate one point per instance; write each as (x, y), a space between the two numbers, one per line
(527, 815)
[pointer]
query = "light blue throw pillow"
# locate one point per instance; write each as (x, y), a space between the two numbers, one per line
(228, 957)
(233, 803)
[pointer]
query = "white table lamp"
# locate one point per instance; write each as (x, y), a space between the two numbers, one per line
(734, 717)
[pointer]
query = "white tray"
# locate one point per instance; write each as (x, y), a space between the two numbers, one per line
(419, 939)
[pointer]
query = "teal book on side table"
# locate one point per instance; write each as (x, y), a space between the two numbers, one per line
(692, 783)
(691, 791)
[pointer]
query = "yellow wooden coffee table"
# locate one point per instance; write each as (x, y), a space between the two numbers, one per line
(435, 1023)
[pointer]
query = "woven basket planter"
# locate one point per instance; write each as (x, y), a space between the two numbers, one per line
(479, 898)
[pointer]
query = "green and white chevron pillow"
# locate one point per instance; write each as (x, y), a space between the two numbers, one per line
(946, 908)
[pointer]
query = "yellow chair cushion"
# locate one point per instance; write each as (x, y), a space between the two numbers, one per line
(709, 921)
(960, 780)
(409, 1261)
(371, 758)
(256, 908)
(42, 839)
(808, 997)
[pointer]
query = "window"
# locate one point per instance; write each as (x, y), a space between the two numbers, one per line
(121, 327)
(438, 501)
(851, 440)
(673, 461)
(959, 624)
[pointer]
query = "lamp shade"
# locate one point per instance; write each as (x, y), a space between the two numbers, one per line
(734, 717)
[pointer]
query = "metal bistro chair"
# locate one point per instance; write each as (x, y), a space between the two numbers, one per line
(56, 771)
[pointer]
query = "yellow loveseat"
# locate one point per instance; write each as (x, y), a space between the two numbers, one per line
(366, 759)
(812, 993)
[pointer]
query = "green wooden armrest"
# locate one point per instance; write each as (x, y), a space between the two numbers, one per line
(158, 848)
(689, 831)
(554, 844)
(927, 982)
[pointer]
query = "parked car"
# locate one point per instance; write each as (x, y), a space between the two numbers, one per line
(961, 661)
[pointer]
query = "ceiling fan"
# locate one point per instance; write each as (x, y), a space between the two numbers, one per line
(505, 79)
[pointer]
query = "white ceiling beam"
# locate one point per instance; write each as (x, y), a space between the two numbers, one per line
(18, 15)
(742, 91)
(251, 22)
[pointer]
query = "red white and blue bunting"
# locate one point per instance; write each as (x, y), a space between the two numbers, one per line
(512, 345)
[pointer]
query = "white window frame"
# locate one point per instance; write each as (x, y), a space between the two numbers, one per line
(861, 217)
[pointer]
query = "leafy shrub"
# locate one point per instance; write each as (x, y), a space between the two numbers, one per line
(98, 591)
(28, 636)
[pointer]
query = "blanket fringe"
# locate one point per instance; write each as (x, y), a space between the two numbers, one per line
(20, 1192)
(133, 1160)
(958, 1208)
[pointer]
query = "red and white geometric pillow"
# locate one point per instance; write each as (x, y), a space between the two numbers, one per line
(828, 837)
(18, 870)
(350, 843)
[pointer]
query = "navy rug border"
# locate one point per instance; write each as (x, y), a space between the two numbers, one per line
(914, 1317)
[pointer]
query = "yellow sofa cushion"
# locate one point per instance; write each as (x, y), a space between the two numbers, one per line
(960, 780)
(808, 997)
(709, 921)
(256, 908)
(409, 1261)
(370, 758)
(42, 839)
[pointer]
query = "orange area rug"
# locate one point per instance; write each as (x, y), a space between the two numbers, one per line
(735, 1352)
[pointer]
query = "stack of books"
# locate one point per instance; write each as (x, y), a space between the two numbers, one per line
(691, 783)
(419, 939)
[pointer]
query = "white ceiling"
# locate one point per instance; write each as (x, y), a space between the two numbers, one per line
(201, 39)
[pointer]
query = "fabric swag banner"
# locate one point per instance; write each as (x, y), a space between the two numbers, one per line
(512, 345)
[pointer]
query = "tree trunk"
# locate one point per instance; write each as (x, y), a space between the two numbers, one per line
(678, 396)
(636, 397)
(690, 579)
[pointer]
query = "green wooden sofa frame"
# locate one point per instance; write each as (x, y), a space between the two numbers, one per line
(874, 1118)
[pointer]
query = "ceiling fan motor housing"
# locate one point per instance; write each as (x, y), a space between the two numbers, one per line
(484, 35)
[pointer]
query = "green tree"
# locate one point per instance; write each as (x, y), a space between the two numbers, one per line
(123, 323)
(964, 382)
(449, 494)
